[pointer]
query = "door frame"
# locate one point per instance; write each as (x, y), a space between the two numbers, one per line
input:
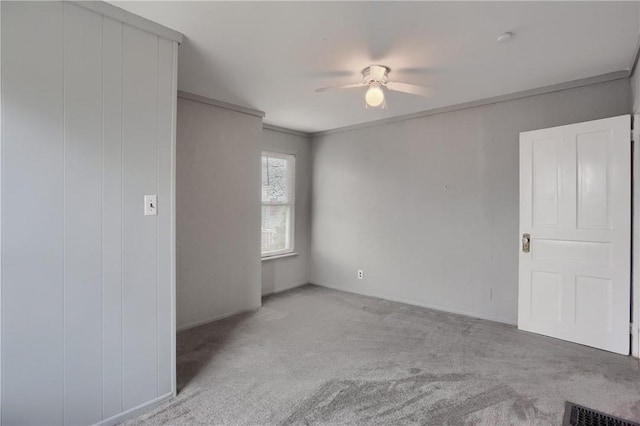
(635, 232)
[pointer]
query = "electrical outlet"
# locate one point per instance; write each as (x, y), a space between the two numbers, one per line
(360, 274)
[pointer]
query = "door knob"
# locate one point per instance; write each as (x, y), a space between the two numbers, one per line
(526, 243)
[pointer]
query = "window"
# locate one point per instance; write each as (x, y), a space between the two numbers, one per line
(278, 197)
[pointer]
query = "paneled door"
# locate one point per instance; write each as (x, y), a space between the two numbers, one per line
(575, 225)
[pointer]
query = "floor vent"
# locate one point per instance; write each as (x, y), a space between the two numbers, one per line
(577, 415)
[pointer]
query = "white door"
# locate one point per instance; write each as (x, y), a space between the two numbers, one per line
(575, 205)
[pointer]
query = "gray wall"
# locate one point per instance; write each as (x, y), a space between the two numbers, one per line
(86, 278)
(218, 212)
(285, 273)
(428, 207)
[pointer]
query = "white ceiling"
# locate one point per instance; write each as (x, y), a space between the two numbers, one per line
(272, 55)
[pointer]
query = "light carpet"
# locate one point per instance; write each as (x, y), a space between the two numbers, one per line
(318, 356)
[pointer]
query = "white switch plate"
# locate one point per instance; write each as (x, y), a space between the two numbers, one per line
(150, 205)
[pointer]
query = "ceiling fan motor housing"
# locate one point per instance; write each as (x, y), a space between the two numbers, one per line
(376, 74)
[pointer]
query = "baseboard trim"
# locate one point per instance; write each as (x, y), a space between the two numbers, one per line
(422, 305)
(135, 410)
(284, 289)
(217, 318)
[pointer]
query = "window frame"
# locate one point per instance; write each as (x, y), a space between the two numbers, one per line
(291, 203)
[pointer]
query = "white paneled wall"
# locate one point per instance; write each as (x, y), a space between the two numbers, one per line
(88, 124)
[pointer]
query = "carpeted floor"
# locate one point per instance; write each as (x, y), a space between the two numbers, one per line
(318, 356)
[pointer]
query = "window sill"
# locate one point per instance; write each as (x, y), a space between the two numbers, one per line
(279, 256)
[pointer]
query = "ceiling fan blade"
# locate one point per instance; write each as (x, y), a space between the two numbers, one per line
(346, 86)
(408, 88)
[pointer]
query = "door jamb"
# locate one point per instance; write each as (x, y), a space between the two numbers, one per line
(635, 241)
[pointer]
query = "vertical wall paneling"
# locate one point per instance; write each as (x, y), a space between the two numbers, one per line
(139, 269)
(112, 218)
(88, 105)
(1, 156)
(174, 272)
(83, 214)
(33, 213)
(164, 271)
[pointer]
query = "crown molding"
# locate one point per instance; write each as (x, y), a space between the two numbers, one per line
(129, 18)
(285, 130)
(603, 78)
(225, 105)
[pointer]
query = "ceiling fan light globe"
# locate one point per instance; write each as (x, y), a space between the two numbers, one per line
(374, 96)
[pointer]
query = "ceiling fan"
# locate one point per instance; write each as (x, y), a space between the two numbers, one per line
(376, 77)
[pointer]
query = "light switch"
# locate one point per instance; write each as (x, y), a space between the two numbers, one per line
(150, 205)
